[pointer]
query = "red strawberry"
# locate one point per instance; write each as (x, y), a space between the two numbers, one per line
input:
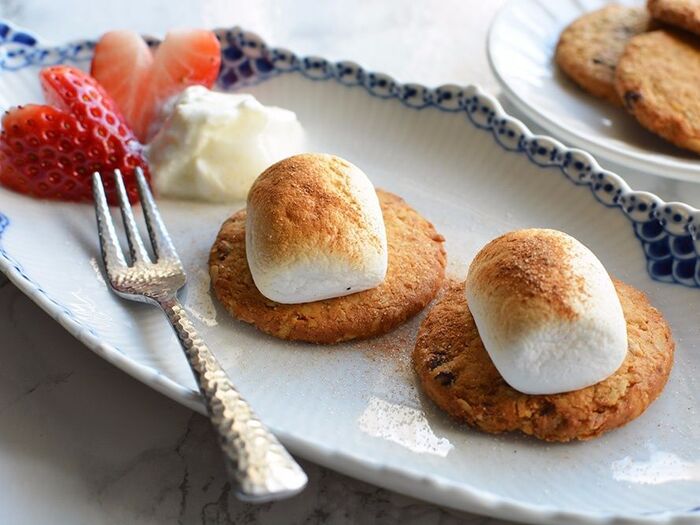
(35, 141)
(126, 84)
(52, 152)
(77, 93)
(140, 80)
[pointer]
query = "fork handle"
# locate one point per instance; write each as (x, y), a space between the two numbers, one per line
(257, 461)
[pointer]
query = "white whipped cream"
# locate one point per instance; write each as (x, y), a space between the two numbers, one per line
(574, 338)
(300, 245)
(213, 145)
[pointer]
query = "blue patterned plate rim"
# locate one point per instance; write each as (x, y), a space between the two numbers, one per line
(667, 230)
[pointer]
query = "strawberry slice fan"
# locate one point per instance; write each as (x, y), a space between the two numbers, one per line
(99, 122)
(51, 151)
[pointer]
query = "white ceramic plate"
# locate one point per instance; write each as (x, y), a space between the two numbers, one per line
(475, 172)
(521, 45)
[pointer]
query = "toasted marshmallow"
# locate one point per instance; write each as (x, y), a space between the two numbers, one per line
(314, 230)
(547, 312)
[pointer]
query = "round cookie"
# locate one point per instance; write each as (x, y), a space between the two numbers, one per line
(589, 48)
(457, 373)
(680, 13)
(658, 77)
(416, 270)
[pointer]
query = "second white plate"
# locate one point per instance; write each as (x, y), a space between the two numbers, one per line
(521, 46)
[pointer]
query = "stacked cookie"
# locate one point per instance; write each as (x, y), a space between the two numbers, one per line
(645, 60)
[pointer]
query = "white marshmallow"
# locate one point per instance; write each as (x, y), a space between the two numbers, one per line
(547, 312)
(314, 230)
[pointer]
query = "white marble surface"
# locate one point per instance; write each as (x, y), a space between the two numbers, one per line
(81, 442)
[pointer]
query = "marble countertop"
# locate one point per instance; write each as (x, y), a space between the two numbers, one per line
(83, 443)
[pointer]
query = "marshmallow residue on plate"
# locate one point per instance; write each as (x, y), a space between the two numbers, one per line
(211, 146)
(547, 312)
(314, 230)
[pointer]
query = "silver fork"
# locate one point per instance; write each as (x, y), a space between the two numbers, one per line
(255, 459)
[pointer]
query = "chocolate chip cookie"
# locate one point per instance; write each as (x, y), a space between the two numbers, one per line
(680, 13)
(458, 375)
(416, 270)
(658, 77)
(589, 48)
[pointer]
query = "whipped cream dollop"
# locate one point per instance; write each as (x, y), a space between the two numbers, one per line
(314, 230)
(547, 312)
(211, 146)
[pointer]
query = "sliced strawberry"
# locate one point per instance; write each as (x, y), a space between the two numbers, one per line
(41, 153)
(77, 93)
(185, 58)
(47, 153)
(121, 63)
(141, 81)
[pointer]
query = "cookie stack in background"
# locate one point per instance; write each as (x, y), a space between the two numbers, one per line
(647, 60)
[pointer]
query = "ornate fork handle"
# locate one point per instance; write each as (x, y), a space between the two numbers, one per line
(254, 457)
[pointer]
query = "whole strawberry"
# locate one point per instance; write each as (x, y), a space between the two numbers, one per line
(50, 152)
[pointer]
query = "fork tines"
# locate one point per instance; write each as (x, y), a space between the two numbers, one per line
(109, 242)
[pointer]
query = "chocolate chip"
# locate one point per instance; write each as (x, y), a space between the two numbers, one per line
(601, 62)
(631, 97)
(547, 408)
(436, 360)
(445, 378)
